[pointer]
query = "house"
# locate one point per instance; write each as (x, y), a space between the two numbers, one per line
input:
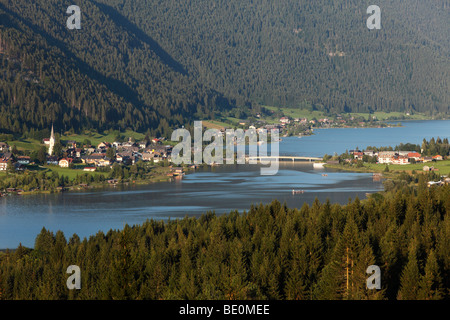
(119, 157)
(427, 159)
(147, 156)
(90, 169)
(414, 155)
(104, 145)
(23, 160)
(93, 158)
(65, 162)
(437, 157)
(3, 165)
(90, 150)
(386, 156)
(285, 120)
(358, 155)
(400, 160)
(143, 144)
(104, 162)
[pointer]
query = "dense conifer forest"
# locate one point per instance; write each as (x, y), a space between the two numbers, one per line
(318, 251)
(159, 64)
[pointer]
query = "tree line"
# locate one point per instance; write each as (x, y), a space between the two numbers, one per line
(318, 251)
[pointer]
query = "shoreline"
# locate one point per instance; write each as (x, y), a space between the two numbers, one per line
(160, 178)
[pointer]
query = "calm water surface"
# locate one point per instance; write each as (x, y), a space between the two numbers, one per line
(220, 189)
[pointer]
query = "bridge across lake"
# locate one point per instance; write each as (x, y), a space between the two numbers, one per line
(282, 158)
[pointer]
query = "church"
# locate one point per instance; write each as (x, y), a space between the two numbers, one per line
(50, 142)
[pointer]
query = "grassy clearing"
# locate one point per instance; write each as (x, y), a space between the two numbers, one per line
(97, 138)
(213, 124)
(25, 144)
(67, 172)
(298, 113)
(442, 166)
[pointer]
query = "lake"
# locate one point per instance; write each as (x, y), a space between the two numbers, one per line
(218, 189)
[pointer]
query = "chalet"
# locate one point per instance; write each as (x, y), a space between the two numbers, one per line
(65, 162)
(426, 159)
(437, 157)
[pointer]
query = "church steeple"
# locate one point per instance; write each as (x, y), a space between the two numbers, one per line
(52, 142)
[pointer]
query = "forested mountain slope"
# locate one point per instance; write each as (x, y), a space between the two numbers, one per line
(159, 64)
(106, 75)
(283, 52)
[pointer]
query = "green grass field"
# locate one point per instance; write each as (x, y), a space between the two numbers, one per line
(442, 166)
(97, 138)
(298, 113)
(25, 144)
(67, 172)
(383, 116)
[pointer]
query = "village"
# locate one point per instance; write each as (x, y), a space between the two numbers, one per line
(90, 158)
(381, 161)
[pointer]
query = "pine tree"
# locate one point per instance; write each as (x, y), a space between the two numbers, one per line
(431, 283)
(410, 278)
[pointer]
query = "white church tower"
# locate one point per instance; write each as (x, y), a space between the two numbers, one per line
(52, 142)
